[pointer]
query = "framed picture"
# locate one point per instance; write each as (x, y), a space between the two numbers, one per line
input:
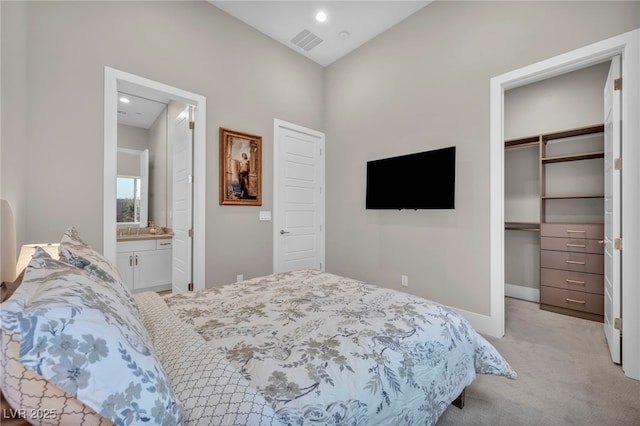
(240, 168)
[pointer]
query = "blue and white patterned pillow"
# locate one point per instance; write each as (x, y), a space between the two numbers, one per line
(77, 333)
(76, 252)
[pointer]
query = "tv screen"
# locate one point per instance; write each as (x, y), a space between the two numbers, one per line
(425, 180)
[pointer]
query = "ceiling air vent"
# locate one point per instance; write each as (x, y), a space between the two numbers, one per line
(306, 40)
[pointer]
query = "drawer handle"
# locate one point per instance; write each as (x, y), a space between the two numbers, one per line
(576, 245)
(165, 244)
(601, 242)
(576, 231)
(582, 302)
(574, 281)
(575, 262)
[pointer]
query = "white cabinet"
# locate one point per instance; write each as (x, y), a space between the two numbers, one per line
(145, 264)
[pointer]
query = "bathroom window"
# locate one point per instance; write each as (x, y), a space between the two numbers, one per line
(128, 199)
(132, 187)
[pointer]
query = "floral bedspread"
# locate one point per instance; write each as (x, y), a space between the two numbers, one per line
(325, 349)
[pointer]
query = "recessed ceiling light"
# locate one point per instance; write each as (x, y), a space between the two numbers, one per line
(124, 100)
(321, 16)
(344, 35)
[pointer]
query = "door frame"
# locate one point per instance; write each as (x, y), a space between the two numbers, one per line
(278, 125)
(112, 79)
(628, 46)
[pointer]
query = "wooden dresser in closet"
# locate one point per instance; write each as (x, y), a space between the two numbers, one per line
(572, 269)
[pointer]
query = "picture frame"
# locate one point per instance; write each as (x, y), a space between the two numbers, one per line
(240, 168)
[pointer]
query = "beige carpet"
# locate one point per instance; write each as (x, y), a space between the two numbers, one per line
(565, 376)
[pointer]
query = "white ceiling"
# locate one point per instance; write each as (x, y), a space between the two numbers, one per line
(139, 111)
(283, 20)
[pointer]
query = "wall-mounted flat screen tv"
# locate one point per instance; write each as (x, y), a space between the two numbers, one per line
(425, 180)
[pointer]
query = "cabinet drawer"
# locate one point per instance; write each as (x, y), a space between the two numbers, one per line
(572, 230)
(164, 243)
(578, 262)
(569, 299)
(578, 245)
(579, 281)
(139, 245)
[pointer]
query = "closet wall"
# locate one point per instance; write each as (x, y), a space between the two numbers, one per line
(565, 102)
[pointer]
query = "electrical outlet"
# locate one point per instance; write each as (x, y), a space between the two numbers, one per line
(405, 281)
(239, 278)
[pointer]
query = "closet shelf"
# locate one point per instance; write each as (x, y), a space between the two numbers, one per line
(522, 226)
(522, 142)
(534, 140)
(575, 157)
(599, 128)
(569, 197)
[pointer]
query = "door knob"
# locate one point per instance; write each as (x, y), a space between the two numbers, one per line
(282, 232)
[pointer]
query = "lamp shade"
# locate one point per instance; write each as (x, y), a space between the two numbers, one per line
(27, 251)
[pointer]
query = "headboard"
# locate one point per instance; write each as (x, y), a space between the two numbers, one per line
(8, 256)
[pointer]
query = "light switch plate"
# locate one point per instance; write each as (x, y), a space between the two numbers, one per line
(265, 215)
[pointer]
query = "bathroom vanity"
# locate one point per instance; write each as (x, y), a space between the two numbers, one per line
(144, 260)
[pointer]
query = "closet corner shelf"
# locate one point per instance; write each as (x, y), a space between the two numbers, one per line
(522, 226)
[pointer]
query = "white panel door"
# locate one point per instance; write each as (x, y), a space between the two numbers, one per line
(612, 211)
(182, 204)
(299, 198)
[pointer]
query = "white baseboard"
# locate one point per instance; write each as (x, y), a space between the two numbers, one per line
(489, 325)
(483, 324)
(520, 292)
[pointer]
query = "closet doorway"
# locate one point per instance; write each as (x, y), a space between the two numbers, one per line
(554, 173)
(626, 45)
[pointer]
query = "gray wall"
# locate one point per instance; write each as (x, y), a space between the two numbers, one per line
(565, 102)
(55, 53)
(422, 85)
(13, 161)
(132, 137)
(158, 169)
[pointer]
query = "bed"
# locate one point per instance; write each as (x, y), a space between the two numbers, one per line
(304, 347)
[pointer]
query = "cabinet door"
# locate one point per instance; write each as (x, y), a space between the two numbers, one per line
(124, 263)
(152, 268)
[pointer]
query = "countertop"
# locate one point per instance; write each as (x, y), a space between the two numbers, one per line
(143, 234)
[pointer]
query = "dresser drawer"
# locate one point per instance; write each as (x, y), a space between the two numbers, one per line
(569, 299)
(578, 262)
(572, 230)
(579, 281)
(578, 245)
